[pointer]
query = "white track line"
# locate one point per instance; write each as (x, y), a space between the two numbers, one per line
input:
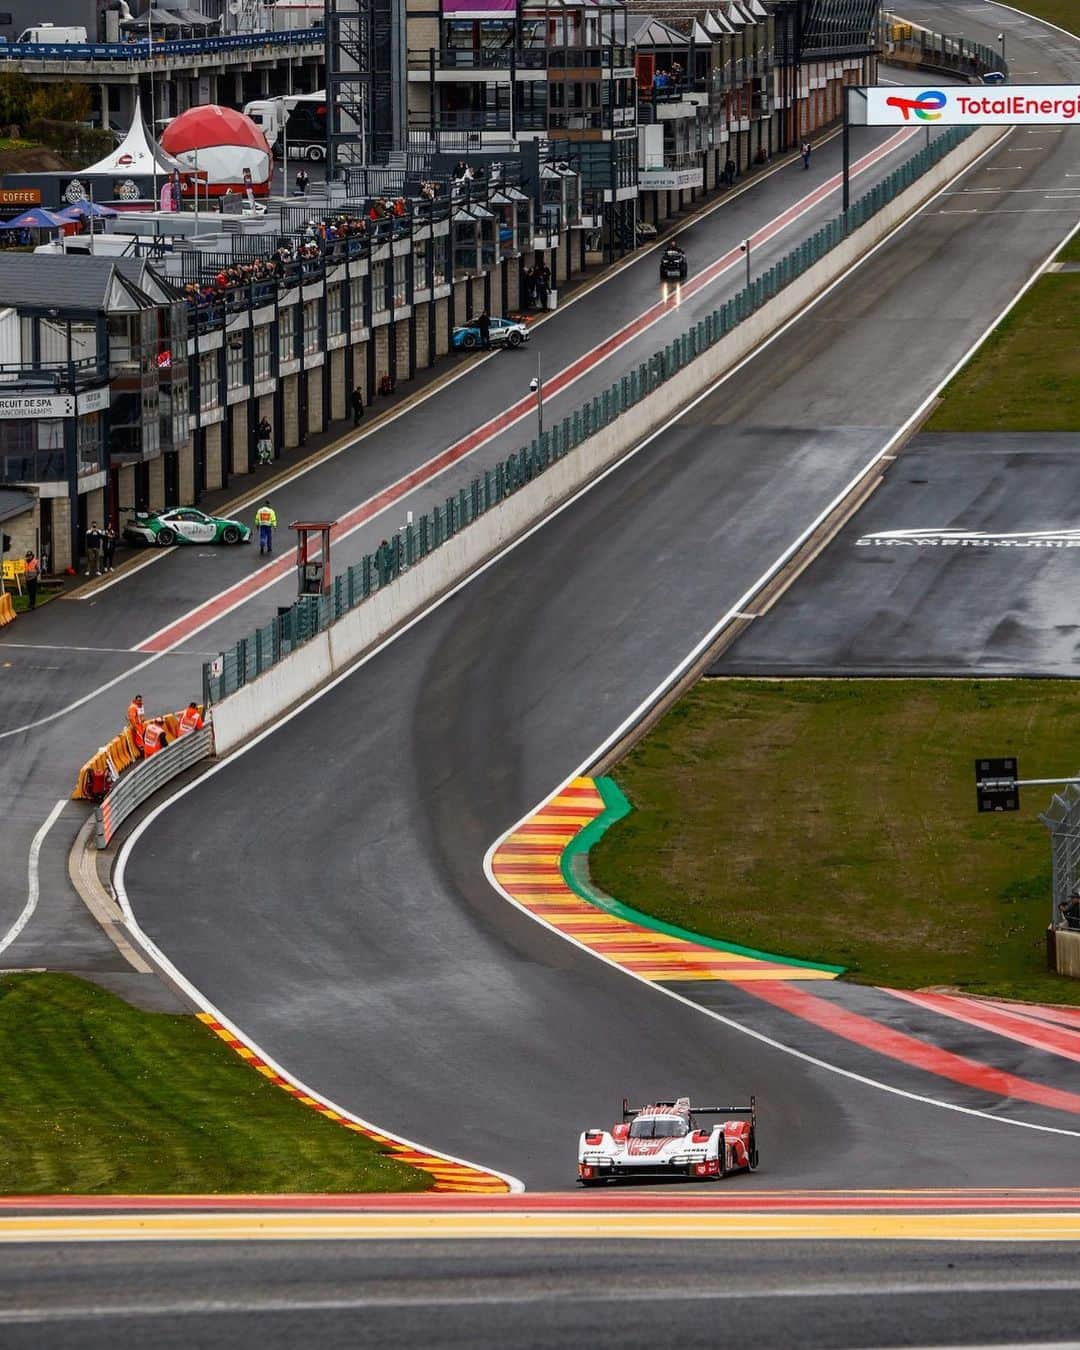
(33, 886)
(200, 998)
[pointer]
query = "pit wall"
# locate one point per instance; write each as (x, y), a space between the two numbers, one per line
(254, 705)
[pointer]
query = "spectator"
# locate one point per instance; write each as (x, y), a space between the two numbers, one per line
(357, 400)
(529, 284)
(108, 548)
(266, 519)
(302, 181)
(730, 169)
(31, 575)
(265, 445)
(805, 152)
(93, 550)
(543, 284)
(483, 323)
(1070, 911)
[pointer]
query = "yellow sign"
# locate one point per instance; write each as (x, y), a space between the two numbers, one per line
(14, 568)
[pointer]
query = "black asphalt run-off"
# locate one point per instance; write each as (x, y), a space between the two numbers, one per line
(965, 561)
(356, 938)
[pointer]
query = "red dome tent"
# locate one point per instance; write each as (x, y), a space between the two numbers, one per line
(220, 143)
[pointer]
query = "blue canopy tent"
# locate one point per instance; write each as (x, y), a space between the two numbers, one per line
(37, 218)
(80, 210)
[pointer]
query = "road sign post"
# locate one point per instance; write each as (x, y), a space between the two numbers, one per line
(996, 784)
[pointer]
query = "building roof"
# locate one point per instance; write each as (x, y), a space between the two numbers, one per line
(657, 33)
(14, 503)
(76, 281)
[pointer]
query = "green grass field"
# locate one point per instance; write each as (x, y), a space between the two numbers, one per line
(835, 820)
(99, 1098)
(1065, 13)
(1026, 376)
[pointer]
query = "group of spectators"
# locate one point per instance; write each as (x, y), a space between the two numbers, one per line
(537, 284)
(318, 236)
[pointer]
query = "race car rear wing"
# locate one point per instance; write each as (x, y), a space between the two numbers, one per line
(629, 1112)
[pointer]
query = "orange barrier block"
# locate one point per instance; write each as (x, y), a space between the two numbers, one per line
(7, 610)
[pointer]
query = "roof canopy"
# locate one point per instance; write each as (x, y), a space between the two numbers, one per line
(138, 153)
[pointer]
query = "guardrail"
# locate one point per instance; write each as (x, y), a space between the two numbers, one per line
(142, 49)
(312, 615)
(140, 784)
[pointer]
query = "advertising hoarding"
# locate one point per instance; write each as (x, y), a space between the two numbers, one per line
(968, 105)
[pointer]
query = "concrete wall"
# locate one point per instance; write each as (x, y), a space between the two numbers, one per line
(23, 530)
(1067, 945)
(213, 457)
(258, 703)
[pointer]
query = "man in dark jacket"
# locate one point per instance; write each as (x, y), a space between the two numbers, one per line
(483, 323)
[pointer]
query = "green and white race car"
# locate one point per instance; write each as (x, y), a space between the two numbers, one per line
(184, 525)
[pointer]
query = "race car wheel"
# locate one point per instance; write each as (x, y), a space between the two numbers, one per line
(469, 342)
(165, 538)
(230, 535)
(753, 1154)
(514, 339)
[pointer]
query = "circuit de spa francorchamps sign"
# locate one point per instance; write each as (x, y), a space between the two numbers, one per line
(967, 106)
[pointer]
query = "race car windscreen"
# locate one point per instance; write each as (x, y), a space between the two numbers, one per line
(657, 1127)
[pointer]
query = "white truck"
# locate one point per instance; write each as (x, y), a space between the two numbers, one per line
(52, 33)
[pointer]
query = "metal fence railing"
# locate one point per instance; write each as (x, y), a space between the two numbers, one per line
(1062, 819)
(311, 615)
(140, 784)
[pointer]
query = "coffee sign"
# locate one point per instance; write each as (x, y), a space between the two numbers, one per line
(20, 196)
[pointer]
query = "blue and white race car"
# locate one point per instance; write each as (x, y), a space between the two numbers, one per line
(501, 333)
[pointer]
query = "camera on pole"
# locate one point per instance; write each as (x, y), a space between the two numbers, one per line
(996, 784)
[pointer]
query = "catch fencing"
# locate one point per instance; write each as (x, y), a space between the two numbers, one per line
(1062, 819)
(261, 650)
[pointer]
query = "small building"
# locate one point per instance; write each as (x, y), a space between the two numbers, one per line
(88, 387)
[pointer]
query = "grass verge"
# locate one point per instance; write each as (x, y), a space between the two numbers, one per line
(1026, 375)
(99, 1098)
(1060, 12)
(835, 820)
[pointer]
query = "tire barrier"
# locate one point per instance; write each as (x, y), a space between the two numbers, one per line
(146, 778)
(7, 610)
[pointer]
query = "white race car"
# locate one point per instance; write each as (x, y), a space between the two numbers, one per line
(669, 1140)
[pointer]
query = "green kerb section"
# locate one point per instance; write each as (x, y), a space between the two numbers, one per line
(574, 866)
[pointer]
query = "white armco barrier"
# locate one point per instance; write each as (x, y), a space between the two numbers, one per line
(303, 671)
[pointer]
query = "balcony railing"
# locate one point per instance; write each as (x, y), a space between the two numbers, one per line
(487, 58)
(57, 377)
(142, 49)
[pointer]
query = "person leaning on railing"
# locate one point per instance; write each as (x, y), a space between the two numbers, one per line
(1070, 911)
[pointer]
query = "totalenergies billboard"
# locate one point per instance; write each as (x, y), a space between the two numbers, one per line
(967, 106)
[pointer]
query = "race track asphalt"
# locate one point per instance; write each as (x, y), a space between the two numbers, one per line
(69, 673)
(356, 938)
(952, 567)
(481, 1295)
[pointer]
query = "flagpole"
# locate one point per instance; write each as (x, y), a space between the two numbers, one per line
(150, 49)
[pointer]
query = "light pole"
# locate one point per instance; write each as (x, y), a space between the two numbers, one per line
(150, 51)
(537, 383)
(745, 246)
(1001, 39)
